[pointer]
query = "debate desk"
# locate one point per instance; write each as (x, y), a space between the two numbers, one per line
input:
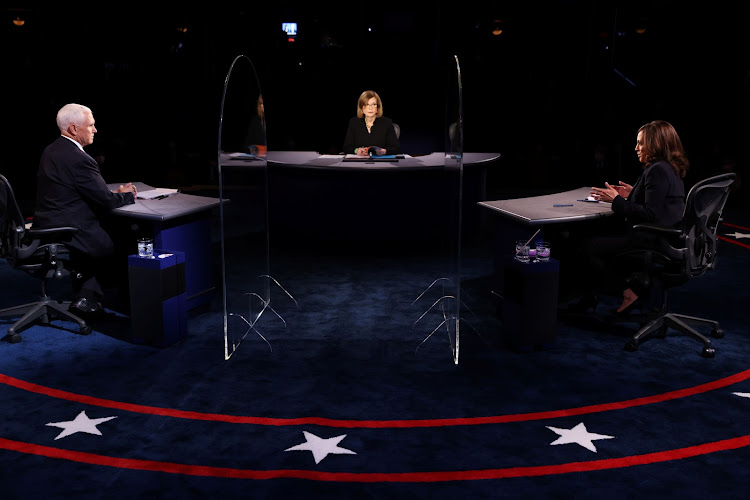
(520, 218)
(315, 198)
(530, 291)
(550, 214)
(179, 222)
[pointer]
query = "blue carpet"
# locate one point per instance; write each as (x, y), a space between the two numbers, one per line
(392, 417)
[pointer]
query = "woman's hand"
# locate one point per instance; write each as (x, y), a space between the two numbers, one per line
(361, 151)
(624, 189)
(607, 193)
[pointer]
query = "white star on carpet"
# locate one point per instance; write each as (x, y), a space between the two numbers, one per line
(320, 447)
(742, 394)
(578, 435)
(737, 236)
(82, 423)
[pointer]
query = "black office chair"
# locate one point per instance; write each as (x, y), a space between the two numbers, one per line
(679, 255)
(38, 252)
(397, 129)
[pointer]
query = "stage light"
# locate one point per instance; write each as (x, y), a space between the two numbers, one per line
(497, 27)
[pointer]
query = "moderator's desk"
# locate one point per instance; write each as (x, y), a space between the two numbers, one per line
(178, 222)
(313, 160)
(317, 198)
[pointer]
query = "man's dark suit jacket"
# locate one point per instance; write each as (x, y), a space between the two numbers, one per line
(72, 192)
(658, 197)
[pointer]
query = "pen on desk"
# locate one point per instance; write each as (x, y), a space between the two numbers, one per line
(562, 205)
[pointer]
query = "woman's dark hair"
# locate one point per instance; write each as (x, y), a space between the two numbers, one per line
(662, 143)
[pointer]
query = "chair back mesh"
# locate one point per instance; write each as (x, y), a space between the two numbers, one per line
(703, 208)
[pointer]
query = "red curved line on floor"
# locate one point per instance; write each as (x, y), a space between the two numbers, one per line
(373, 477)
(373, 424)
(735, 226)
(729, 240)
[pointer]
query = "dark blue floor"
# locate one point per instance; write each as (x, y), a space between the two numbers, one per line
(349, 361)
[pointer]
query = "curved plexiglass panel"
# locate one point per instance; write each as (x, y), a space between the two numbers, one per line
(442, 301)
(243, 212)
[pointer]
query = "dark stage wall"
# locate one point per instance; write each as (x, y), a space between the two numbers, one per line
(564, 80)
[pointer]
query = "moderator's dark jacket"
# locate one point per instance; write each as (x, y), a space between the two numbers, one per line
(72, 192)
(383, 135)
(658, 197)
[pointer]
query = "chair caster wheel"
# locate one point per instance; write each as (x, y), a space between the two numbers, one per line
(717, 333)
(85, 329)
(13, 338)
(631, 346)
(708, 352)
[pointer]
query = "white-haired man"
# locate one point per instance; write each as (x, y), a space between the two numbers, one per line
(72, 192)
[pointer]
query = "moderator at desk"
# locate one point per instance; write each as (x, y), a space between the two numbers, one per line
(179, 222)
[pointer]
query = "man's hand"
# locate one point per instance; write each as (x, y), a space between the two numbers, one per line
(127, 188)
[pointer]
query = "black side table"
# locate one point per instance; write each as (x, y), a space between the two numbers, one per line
(529, 306)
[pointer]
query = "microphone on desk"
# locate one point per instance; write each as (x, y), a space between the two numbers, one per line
(372, 150)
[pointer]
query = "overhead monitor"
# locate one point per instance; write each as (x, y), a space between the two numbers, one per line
(289, 28)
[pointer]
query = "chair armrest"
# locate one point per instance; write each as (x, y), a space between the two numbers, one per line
(64, 232)
(658, 230)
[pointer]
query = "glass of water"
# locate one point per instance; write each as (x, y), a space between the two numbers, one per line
(146, 247)
(542, 251)
(522, 251)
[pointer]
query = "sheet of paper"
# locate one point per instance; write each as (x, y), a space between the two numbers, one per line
(156, 193)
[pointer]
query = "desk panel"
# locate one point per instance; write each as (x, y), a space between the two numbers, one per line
(538, 210)
(520, 218)
(180, 222)
(314, 198)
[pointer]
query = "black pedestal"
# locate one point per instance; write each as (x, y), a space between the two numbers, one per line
(529, 306)
(158, 303)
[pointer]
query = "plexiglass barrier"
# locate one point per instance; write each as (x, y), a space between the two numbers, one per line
(312, 215)
(243, 212)
(442, 301)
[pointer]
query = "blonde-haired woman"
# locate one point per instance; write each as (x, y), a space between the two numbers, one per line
(370, 129)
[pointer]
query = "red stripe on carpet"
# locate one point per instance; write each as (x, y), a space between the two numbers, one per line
(729, 240)
(736, 226)
(374, 424)
(373, 477)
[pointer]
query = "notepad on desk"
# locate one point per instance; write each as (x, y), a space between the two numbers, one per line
(152, 194)
(352, 157)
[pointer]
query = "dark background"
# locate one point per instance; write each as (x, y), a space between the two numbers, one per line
(560, 93)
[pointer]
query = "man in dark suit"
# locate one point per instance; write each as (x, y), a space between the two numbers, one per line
(72, 192)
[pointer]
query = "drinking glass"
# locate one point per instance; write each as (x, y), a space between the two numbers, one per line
(522, 251)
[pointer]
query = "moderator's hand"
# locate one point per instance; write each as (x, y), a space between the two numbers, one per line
(361, 151)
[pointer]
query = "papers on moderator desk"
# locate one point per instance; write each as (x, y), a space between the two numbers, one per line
(244, 156)
(156, 193)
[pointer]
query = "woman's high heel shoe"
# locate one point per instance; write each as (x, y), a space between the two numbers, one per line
(636, 304)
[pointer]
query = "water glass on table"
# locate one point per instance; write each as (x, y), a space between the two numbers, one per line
(542, 251)
(522, 251)
(146, 247)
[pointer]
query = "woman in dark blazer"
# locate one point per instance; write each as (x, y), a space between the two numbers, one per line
(657, 197)
(370, 128)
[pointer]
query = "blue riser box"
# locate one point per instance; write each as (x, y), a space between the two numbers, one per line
(158, 301)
